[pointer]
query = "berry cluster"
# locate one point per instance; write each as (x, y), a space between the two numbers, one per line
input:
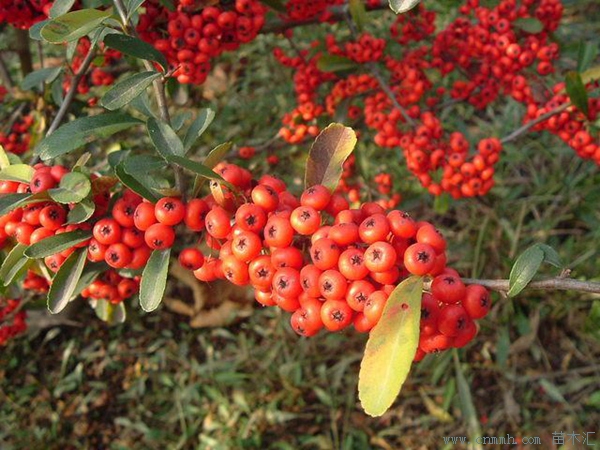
(479, 56)
(16, 326)
(195, 34)
(24, 13)
(18, 138)
(112, 287)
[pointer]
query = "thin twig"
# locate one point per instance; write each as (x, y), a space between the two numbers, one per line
(5, 75)
(159, 92)
(552, 284)
(66, 104)
(522, 130)
(374, 69)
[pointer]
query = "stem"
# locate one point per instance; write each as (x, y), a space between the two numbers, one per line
(552, 284)
(159, 92)
(23, 50)
(66, 104)
(374, 69)
(522, 130)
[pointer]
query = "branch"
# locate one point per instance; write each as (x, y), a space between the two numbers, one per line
(522, 130)
(66, 104)
(551, 284)
(374, 69)
(159, 91)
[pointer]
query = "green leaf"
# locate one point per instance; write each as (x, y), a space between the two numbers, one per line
(335, 63)
(9, 202)
(551, 256)
(196, 167)
(36, 30)
(132, 6)
(143, 164)
(590, 75)
(441, 203)
(109, 313)
(13, 263)
(126, 90)
(57, 243)
(60, 7)
(198, 127)
(22, 173)
(275, 5)
(73, 25)
(576, 91)
(327, 155)
(56, 90)
(154, 280)
(466, 401)
(81, 212)
(4, 160)
(38, 77)
(401, 6)
(142, 105)
(137, 48)
(164, 138)
(586, 54)
(391, 348)
(73, 188)
(180, 119)
(358, 13)
(65, 281)
(134, 184)
(524, 269)
(529, 25)
(216, 155)
(90, 273)
(83, 131)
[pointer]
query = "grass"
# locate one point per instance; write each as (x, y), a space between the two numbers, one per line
(155, 383)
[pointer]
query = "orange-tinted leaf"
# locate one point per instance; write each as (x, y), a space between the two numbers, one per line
(327, 155)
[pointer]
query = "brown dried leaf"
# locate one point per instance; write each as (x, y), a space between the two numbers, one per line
(222, 315)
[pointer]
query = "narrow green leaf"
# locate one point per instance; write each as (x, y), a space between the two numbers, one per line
(109, 313)
(216, 155)
(81, 212)
(65, 281)
(73, 188)
(57, 243)
(143, 164)
(126, 90)
(9, 202)
(38, 77)
(56, 90)
(73, 25)
(134, 184)
(586, 54)
(401, 6)
(327, 155)
(577, 92)
(551, 256)
(89, 274)
(36, 30)
(391, 348)
(137, 48)
(22, 173)
(529, 25)
(13, 263)
(275, 5)
(466, 401)
(524, 269)
(60, 7)
(196, 167)
(154, 280)
(142, 105)
(83, 131)
(198, 127)
(132, 6)
(164, 139)
(335, 63)
(180, 119)
(358, 13)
